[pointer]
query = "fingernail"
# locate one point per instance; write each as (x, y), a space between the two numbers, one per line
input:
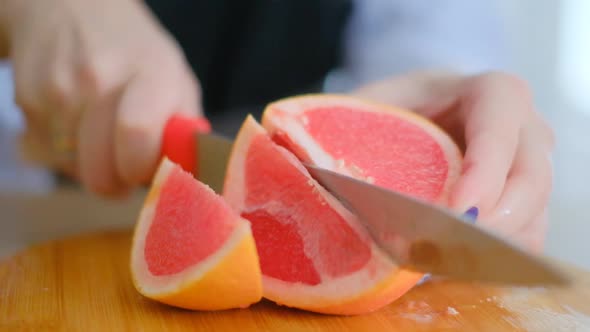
(424, 279)
(472, 214)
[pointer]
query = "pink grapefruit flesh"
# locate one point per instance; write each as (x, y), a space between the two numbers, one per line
(168, 249)
(264, 188)
(380, 144)
(190, 249)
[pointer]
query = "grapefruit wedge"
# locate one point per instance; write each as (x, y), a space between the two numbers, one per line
(381, 144)
(190, 249)
(314, 254)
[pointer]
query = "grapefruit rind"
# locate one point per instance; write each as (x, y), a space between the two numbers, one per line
(229, 278)
(374, 298)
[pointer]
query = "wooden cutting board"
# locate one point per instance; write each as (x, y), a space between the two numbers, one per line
(83, 283)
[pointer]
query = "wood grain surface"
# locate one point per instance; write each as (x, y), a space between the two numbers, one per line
(82, 283)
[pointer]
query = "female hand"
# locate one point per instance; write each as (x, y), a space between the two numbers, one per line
(96, 81)
(507, 168)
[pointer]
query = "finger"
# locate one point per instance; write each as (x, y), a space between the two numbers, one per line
(26, 91)
(44, 91)
(57, 86)
(59, 110)
(426, 92)
(36, 137)
(533, 236)
(146, 105)
(528, 186)
(96, 152)
(492, 110)
(34, 75)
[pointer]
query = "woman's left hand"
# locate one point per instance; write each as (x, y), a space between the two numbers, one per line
(507, 167)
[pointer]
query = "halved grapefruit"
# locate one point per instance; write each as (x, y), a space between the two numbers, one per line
(314, 254)
(381, 144)
(190, 249)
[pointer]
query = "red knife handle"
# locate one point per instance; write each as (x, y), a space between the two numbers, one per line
(179, 142)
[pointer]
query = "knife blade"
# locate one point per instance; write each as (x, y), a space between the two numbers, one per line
(415, 234)
(429, 238)
(214, 151)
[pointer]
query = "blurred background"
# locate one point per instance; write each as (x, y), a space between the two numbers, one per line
(549, 45)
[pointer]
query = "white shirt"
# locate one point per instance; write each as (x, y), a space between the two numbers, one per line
(389, 37)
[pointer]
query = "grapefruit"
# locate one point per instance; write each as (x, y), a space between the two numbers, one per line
(314, 253)
(190, 249)
(381, 144)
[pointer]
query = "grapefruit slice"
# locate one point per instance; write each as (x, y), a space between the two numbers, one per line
(190, 249)
(387, 146)
(314, 254)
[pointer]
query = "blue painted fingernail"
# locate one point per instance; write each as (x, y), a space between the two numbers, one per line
(424, 279)
(472, 214)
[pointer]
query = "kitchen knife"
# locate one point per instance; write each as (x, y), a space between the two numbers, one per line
(430, 238)
(415, 234)
(190, 143)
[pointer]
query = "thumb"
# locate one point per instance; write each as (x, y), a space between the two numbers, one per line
(425, 92)
(145, 106)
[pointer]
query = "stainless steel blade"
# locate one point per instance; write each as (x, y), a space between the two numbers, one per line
(427, 238)
(213, 153)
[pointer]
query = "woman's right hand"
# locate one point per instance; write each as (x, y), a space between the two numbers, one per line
(97, 81)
